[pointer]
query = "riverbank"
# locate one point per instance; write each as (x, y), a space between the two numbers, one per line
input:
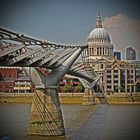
(27, 98)
(73, 98)
(124, 98)
(16, 98)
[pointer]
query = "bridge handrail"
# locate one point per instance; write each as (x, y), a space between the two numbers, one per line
(25, 39)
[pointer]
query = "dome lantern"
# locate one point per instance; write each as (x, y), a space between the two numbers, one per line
(99, 21)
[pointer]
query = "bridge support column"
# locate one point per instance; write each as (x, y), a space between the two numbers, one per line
(88, 97)
(46, 115)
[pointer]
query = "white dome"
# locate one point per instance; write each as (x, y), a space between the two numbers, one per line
(99, 43)
(99, 33)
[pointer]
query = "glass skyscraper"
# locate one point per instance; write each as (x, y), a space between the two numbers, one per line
(130, 53)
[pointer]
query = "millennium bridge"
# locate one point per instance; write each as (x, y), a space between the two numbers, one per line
(35, 56)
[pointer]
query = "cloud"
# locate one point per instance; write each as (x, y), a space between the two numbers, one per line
(124, 32)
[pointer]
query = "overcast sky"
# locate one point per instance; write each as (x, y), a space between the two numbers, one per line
(124, 31)
(70, 21)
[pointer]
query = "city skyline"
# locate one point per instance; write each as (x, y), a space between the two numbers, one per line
(70, 22)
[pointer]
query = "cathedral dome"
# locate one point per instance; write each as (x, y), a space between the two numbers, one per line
(99, 33)
(99, 42)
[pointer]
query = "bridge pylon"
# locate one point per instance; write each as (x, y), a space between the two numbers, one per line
(89, 97)
(46, 116)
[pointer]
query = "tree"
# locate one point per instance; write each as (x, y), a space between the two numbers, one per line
(68, 88)
(79, 88)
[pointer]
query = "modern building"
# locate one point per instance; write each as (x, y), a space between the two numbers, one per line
(137, 75)
(14, 80)
(122, 76)
(117, 55)
(7, 79)
(23, 84)
(130, 53)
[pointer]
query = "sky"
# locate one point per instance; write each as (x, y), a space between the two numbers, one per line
(70, 21)
(124, 31)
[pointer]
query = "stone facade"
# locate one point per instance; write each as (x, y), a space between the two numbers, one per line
(118, 75)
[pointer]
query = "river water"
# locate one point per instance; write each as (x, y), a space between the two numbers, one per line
(101, 122)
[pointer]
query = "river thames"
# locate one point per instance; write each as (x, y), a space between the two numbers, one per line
(100, 122)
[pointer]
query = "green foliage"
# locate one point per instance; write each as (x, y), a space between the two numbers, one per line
(68, 88)
(80, 88)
